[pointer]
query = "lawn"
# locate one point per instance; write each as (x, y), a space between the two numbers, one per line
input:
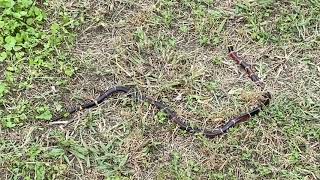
(58, 54)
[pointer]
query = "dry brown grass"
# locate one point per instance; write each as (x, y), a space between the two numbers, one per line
(281, 143)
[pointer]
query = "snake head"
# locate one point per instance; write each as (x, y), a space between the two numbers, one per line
(230, 49)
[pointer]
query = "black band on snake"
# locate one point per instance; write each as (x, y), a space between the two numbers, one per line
(172, 115)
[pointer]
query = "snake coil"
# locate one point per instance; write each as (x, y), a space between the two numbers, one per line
(172, 115)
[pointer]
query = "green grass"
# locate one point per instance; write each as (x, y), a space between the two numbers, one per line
(56, 54)
(31, 56)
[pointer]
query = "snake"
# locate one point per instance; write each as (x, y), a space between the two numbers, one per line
(181, 122)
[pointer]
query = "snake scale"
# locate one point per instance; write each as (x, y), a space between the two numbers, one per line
(172, 115)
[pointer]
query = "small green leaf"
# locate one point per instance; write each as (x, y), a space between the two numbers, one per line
(3, 56)
(7, 3)
(39, 14)
(2, 24)
(16, 15)
(44, 113)
(221, 26)
(69, 71)
(23, 13)
(184, 29)
(56, 152)
(79, 152)
(17, 48)
(3, 89)
(212, 86)
(55, 28)
(162, 117)
(19, 55)
(1, 41)
(217, 60)
(10, 42)
(25, 3)
(40, 170)
(9, 124)
(30, 21)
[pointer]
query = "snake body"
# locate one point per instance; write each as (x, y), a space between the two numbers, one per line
(172, 115)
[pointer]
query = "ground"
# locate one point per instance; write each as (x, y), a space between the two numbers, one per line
(173, 51)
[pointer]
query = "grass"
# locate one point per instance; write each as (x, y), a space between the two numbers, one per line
(55, 54)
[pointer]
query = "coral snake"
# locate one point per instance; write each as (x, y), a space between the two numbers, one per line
(172, 115)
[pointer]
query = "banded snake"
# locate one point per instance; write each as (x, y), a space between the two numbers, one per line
(172, 115)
